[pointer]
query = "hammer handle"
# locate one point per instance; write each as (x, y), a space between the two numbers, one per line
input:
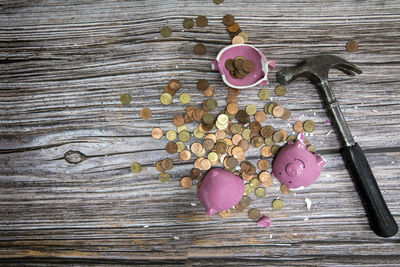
(379, 216)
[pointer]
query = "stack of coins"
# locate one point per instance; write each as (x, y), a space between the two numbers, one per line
(172, 87)
(232, 26)
(239, 67)
(277, 111)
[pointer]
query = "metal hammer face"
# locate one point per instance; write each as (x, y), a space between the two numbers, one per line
(316, 69)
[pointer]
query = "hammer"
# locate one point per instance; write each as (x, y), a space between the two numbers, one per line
(316, 69)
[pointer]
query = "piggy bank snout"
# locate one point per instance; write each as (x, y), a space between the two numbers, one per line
(294, 169)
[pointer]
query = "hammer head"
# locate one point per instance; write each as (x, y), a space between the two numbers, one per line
(316, 69)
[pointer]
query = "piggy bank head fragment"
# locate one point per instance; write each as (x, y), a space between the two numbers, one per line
(220, 190)
(295, 166)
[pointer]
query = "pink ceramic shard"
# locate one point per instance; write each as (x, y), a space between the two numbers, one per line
(264, 221)
(295, 166)
(258, 77)
(220, 190)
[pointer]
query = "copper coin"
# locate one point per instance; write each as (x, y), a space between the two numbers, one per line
(169, 90)
(225, 213)
(260, 116)
(265, 178)
(238, 40)
(186, 182)
(209, 92)
(242, 116)
(255, 127)
(174, 84)
(267, 131)
(220, 147)
(231, 162)
(278, 136)
(145, 113)
(246, 177)
(285, 190)
(198, 114)
(171, 148)
(234, 92)
(229, 64)
(233, 28)
(284, 133)
(311, 148)
(196, 173)
(277, 111)
(185, 155)
(208, 144)
(238, 63)
(190, 110)
(228, 20)
(196, 148)
(352, 46)
(232, 108)
(286, 114)
(197, 163)
(231, 99)
(167, 164)
(205, 164)
(244, 144)
(178, 120)
(245, 166)
(236, 139)
(298, 126)
(266, 151)
(201, 21)
(256, 141)
(263, 164)
(157, 133)
(200, 49)
(220, 134)
(159, 166)
(202, 84)
(212, 137)
(248, 65)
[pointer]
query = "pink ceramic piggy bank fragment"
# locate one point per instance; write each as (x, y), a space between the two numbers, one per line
(220, 190)
(295, 166)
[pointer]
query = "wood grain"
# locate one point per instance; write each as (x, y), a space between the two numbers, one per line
(63, 66)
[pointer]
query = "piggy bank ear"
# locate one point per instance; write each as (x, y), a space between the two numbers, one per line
(300, 141)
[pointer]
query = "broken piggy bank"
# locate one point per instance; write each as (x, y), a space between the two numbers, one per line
(220, 190)
(295, 166)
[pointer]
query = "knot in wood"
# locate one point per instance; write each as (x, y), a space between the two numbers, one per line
(74, 156)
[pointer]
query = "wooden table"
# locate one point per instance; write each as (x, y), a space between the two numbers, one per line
(64, 65)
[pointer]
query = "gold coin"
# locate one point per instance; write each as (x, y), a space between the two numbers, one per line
(275, 149)
(263, 94)
(277, 204)
(164, 177)
(291, 138)
(248, 189)
(182, 128)
(260, 192)
(202, 153)
(197, 133)
(166, 99)
(136, 167)
(185, 155)
(188, 23)
(280, 90)
(186, 182)
(254, 183)
(268, 108)
(171, 135)
(125, 99)
(157, 133)
(251, 109)
(245, 36)
(246, 134)
(212, 156)
(254, 214)
(245, 201)
(184, 136)
(309, 126)
(223, 119)
(269, 142)
(181, 146)
(184, 98)
(221, 126)
(166, 31)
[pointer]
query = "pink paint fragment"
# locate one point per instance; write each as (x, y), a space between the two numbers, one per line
(327, 122)
(374, 111)
(264, 221)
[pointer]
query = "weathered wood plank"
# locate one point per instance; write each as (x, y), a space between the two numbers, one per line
(63, 66)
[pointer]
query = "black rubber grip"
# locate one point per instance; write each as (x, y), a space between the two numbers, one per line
(379, 216)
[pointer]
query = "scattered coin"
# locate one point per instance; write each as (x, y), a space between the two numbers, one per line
(238, 40)
(263, 94)
(157, 133)
(171, 135)
(265, 178)
(171, 147)
(218, 2)
(196, 173)
(188, 23)
(164, 177)
(260, 192)
(201, 21)
(254, 214)
(166, 99)
(263, 164)
(277, 111)
(166, 31)
(280, 90)
(285, 190)
(184, 98)
(309, 126)
(233, 28)
(298, 126)
(145, 113)
(277, 204)
(184, 136)
(245, 201)
(260, 116)
(352, 46)
(200, 49)
(185, 155)
(136, 167)
(228, 20)
(125, 99)
(202, 84)
(251, 109)
(186, 182)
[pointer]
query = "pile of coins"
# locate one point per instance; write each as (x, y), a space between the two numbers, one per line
(239, 67)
